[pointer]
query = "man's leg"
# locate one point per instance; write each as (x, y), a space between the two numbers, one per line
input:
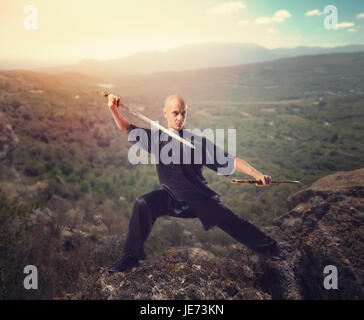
(145, 212)
(237, 227)
(248, 234)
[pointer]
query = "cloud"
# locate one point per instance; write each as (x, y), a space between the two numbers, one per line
(281, 15)
(360, 16)
(315, 12)
(271, 30)
(343, 25)
(263, 20)
(227, 8)
(243, 22)
(278, 16)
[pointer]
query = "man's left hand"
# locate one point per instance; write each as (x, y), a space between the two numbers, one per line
(264, 180)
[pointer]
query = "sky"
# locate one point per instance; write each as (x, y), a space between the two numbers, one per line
(56, 32)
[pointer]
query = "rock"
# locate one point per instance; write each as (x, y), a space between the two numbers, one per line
(177, 274)
(325, 227)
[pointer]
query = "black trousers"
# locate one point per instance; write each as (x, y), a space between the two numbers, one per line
(159, 203)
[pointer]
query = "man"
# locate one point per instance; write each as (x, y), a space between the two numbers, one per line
(185, 193)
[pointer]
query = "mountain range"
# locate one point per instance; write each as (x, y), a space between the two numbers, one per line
(196, 56)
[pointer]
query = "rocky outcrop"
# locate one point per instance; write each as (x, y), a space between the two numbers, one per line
(190, 273)
(8, 139)
(324, 227)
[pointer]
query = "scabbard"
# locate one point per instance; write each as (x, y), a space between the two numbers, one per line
(255, 181)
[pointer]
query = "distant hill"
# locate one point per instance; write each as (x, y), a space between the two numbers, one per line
(196, 56)
(182, 58)
(281, 79)
(302, 50)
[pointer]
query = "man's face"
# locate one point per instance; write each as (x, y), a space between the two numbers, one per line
(176, 113)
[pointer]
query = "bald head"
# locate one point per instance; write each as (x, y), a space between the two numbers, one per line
(174, 100)
(175, 111)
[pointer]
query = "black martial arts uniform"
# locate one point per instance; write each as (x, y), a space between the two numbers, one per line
(185, 194)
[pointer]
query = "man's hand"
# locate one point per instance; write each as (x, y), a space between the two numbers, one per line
(113, 101)
(244, 167)
(113, 104)
(264, 180)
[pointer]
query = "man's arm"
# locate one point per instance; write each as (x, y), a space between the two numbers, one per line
(244, 167)
(122, 123)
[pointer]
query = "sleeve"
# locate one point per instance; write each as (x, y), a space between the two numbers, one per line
(217, 159)
(140, 136)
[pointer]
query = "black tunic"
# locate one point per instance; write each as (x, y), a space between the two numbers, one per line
(184, 181)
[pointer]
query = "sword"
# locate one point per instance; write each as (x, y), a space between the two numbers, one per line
(154, 123)
(255, 181)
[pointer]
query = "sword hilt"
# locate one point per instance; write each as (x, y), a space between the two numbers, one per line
(106, 95)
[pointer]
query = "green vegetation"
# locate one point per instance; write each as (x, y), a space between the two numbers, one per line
(303, 141)
(12, 242)
(79, 144)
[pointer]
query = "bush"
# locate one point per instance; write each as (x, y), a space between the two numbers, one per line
(35, 169)
(66, 168)
(13, 237)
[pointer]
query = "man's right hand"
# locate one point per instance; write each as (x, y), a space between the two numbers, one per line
(113, 102)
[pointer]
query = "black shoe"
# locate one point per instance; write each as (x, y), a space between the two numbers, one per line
(126, 262)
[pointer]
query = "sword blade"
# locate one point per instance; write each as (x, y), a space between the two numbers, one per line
(154, 123)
